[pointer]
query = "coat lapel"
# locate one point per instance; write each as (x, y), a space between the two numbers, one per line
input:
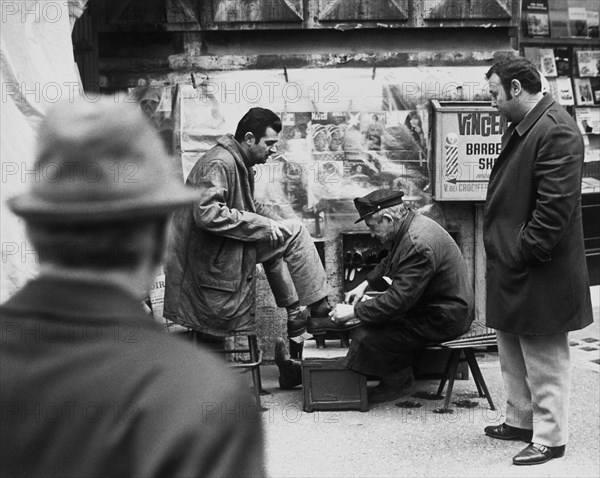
(514, 132)
(246, 172)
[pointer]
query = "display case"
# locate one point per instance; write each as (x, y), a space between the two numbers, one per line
(561, 38)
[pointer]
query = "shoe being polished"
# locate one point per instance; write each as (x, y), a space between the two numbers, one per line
(506, 432)
(322, 325)
(536, 454)
(290, 372)
(321, 308)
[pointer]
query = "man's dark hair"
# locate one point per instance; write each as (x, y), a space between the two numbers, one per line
(99, 246)
(256, 121)
(517, 68)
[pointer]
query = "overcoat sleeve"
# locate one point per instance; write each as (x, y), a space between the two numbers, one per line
(410, 278)
(213, 214)
(556, 172)
(267, 211)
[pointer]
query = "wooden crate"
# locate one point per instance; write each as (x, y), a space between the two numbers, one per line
(327, 383)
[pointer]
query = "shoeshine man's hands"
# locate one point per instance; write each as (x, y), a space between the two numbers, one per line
(355, 295)
(278, 232)
(342, 313)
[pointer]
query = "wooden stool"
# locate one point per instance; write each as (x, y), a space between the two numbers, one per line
(464, 346)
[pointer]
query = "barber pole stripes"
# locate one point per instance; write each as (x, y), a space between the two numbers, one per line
(451, 150)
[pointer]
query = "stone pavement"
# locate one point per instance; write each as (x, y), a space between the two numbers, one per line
(412, 440)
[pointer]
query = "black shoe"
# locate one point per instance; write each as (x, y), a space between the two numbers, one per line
(535, 454)
(290, 372)
(320, 308)
(322, 325)
(296, 323)
(506, 432)
(385, 392)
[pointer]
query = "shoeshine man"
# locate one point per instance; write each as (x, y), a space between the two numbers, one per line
(426, 297)
(217, 242)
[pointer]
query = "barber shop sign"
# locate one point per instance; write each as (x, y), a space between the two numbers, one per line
(467, 140)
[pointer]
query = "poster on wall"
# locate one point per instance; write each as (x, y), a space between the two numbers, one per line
(344, 133)
(467, 142)
(325, 159)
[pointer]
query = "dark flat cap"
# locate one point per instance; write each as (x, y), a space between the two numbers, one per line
(376, 201)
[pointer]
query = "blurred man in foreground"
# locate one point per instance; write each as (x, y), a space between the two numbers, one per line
(90, 386)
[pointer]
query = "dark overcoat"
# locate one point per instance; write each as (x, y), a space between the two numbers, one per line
(90, 386)
(430, 282)
(537, 280)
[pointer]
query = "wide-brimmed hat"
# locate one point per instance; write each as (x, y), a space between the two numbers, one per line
(376, 201)
(100, 161)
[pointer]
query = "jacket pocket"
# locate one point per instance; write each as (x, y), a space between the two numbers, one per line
(517, 255)
(217, 283)
(219, 298)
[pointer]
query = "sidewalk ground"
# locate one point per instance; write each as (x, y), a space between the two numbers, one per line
(389, 441)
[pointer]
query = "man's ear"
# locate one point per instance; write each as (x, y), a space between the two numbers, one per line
(515, 86)
(249, 138)
(387, 217)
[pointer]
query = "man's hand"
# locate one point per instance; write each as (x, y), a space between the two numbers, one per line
(342, 313)
(278, 232)
(356, 294)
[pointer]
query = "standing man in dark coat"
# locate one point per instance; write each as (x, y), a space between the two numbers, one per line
(427, 294)
(537, 282)
(90, 386)
(217, 242)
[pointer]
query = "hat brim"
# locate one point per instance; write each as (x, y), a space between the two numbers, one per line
(33, 208)
(363, 217)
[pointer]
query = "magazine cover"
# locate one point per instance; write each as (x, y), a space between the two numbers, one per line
(547, 62)
(583, 92)
(536, 22)
(577, 22)
(588, 62)
(565, 91)
(559, 23)
(593, 21)
(588, 120)
(563, 61)
(595, 85)
(552, 88)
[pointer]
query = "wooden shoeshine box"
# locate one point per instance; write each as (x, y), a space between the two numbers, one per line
(327, 383)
